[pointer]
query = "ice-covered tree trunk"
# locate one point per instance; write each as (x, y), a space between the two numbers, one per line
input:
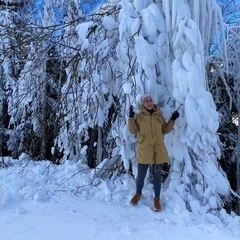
(164, 46)
(193, 146)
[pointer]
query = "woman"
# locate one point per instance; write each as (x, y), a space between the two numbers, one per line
(150, 126)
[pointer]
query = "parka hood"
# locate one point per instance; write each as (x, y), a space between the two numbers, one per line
(155, 109)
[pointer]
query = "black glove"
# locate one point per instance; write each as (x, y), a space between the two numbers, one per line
(175, 115)
(131, 112)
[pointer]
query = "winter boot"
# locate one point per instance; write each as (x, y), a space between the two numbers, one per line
(135, 199)
(156, 205)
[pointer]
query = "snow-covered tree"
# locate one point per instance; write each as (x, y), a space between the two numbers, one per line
(10, 64)
(88, 96)
(29, 109)
(223, 84)
(31, 102)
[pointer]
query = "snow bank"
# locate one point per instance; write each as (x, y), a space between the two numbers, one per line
(40, 181)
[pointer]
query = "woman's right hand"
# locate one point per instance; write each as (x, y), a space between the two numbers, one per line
(131, 112)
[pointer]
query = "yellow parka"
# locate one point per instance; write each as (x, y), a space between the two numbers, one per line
(150, 128)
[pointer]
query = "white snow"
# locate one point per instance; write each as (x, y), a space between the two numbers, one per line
(161, 52)
(82, 30)
(39, 200)
(127, 88)
(109, 23)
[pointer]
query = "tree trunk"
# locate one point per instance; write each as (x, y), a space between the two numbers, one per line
(1, 111)
(99, 146)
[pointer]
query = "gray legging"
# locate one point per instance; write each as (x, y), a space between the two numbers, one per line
(156, 173)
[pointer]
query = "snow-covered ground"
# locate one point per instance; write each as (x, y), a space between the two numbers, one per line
(39, 200)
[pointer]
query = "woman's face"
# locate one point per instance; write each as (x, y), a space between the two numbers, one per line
(148, 103)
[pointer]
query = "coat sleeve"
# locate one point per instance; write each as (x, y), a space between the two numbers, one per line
(133, 127)
(167, 127)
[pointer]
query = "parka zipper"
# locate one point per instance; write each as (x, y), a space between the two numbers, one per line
(154, 148)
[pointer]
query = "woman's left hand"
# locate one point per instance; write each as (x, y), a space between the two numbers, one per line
(175, 115)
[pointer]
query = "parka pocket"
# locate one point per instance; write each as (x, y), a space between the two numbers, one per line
(141, 138)
(159, 120)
